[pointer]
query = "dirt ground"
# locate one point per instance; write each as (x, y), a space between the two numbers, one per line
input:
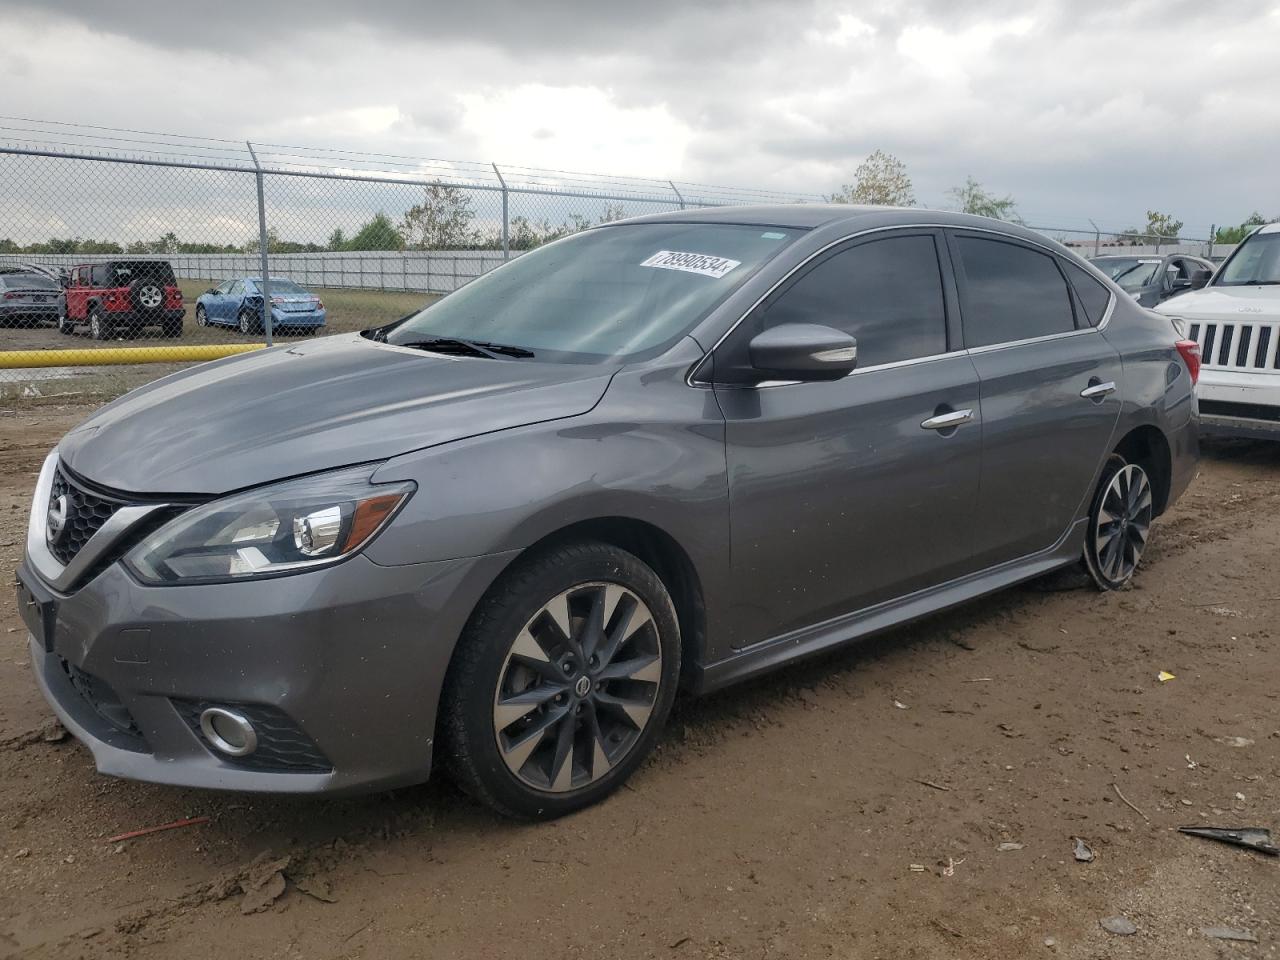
(915, 797)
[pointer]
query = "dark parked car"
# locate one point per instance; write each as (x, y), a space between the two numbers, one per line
(676, 451)
(1152, 280)
(28, 298)
(123, 296)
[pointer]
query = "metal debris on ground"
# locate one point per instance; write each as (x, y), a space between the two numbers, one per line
(1239, 742)
(1120, 926)
(1229, 933)
(1251, 838)
(1008, 846)
(189, 822)
(1082, 851)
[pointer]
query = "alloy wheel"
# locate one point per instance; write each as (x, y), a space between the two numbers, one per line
(1123, 522)
(578, 687)
(150, 297)
(202, 319)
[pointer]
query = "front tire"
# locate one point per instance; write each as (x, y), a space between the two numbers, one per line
(248, 323)
(97, 328)
(66, 327)
(1119, 523)
(202, 319)
(562, 681)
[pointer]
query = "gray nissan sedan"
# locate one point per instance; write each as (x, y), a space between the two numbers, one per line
(670, 452)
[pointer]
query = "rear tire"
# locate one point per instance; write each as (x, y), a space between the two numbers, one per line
(173, 328)
(562, 681)
(1119, 527)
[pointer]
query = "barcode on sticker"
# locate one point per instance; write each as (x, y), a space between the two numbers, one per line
(701, 263)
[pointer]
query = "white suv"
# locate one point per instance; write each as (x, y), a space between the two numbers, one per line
(1236, 321)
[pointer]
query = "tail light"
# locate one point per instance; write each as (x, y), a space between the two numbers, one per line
(1189, 350)
(319, 304)
(11, 296)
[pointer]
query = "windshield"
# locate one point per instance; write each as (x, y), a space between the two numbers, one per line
(28, 281)
(1132, 273)
(1256, 261)
(284, 288)
(606, 293)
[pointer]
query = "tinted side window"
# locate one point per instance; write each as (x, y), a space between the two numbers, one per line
(1093, 294)
(237, 288)
(100, 275)
(1011, 292)
(886, 293)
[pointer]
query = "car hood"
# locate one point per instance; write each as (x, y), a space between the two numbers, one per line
(328, 403)
(1232, 304)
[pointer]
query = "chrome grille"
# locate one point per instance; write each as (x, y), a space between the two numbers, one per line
(86, 513)
(1237, 346)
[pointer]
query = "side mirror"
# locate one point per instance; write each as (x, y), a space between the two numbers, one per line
(1200, 278)
(803, 351)
(1180, 283)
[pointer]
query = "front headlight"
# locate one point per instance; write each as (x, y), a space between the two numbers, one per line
(289, 527)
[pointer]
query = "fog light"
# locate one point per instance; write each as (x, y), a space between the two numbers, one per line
(228, 732)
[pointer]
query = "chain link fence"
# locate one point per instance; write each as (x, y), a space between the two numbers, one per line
(125, 254)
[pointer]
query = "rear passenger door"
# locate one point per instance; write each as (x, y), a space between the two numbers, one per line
(1051, 390)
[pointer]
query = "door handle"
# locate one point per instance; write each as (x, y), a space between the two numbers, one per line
(948, 421)
(1096, 391)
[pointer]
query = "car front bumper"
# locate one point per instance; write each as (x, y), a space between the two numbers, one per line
(1239, 403)
(340, 670)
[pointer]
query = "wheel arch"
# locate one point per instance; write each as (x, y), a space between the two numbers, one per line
(1147, 445)
(659, 550)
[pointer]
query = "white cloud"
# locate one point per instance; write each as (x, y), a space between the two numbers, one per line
(1087, 108)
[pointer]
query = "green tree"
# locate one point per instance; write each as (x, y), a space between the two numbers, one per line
(880, 180)
(337, 240)
(1161, 228)
(613, 212)
(972, 198)
(378, 234)
(9, 245)
(441, 222)
(1238, 233)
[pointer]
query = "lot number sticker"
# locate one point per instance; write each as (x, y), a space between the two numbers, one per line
(699, 263)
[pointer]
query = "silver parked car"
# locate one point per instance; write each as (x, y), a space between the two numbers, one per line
(675, 451)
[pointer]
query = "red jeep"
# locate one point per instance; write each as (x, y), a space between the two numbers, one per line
(123, 295)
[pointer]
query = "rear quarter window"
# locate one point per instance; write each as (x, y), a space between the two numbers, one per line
(1011, 292)
(1093, 294)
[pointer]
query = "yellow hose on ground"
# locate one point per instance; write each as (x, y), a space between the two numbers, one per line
(22, 359)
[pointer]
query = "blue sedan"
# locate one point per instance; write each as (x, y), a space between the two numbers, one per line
(238, 303)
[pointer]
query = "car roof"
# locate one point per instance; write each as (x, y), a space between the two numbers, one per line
(808, 216)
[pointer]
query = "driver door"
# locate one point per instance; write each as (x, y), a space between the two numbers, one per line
(845, 494)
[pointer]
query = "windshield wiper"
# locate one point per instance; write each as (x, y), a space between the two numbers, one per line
(474, 348)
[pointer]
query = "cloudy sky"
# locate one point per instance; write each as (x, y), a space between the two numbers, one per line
(1079, 109)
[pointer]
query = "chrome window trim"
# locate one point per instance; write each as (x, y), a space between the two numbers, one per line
(1106, 316)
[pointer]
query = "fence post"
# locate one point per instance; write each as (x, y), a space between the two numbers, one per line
(1213, 235)
(506, 220)
(677, 193)
(262, 248)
